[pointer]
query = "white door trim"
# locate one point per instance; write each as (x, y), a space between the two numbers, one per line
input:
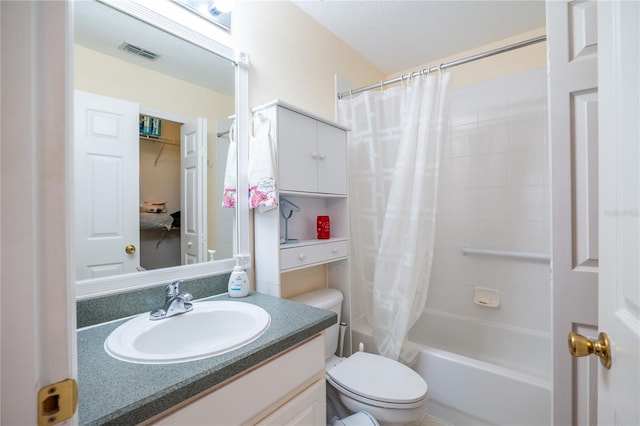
(38, 301)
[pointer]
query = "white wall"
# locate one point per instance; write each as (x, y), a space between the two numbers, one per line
(495, 195)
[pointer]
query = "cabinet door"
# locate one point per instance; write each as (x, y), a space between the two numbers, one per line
(332, 159)
(297, 153)
(306, 409)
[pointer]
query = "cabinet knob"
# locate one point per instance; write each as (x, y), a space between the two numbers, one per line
(302, 256)
(322, 156)
(335, 250)
(314, 155)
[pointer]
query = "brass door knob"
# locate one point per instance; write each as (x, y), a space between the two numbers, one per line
(582, 346)
(130, 249)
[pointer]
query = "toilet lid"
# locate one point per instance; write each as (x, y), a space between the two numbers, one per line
(378, 378)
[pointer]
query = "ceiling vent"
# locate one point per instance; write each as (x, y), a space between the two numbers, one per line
(131, 48)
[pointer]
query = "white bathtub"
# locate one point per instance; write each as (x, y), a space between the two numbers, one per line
(479, 372)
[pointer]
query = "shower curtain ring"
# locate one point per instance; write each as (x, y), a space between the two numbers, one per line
(381, 86)
(440, 68)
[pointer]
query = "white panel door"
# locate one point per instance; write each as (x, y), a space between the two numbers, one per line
(573, 118)
(106, 159)
(193, 185)
(619, 293)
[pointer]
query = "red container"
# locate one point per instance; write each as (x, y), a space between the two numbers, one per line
(324, 227)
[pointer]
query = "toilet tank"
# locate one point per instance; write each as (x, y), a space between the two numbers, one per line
(325, 298)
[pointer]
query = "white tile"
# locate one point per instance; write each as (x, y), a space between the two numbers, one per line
(493, 101)
(446, 173)
(526, 203)
(462, 141)
(527, 91)
(491, 204)
(480, 171)
(483, 204)
(492, 137)
(527, 168)
(464, 106)
(527, 131)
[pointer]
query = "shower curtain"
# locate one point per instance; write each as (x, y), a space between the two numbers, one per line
(394, 151)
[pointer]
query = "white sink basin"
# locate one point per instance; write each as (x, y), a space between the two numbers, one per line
(211, 328)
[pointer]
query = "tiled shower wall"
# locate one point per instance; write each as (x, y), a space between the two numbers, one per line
(494, 194)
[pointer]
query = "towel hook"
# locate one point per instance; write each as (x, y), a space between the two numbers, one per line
(261, 118)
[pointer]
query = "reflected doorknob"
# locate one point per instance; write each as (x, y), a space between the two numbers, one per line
(582, 346)
(130, 249)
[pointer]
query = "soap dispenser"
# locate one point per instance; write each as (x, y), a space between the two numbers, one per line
(238, 281)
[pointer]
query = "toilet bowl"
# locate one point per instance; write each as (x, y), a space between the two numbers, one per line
(389, 391)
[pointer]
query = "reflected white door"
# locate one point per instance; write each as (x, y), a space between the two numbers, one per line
(106, 159)
(619, 293)
(193, 224)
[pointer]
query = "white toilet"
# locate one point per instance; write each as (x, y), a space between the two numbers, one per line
(389, 391)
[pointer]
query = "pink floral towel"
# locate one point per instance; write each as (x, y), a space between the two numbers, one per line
(261, 167)
(230, 174)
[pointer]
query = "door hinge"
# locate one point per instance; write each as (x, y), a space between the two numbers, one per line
(57, 402)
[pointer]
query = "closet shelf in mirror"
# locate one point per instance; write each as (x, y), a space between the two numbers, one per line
(160, 140)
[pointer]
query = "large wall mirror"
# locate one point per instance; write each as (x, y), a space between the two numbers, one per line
(154, 116)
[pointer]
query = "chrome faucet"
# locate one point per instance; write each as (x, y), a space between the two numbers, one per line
(176, 302)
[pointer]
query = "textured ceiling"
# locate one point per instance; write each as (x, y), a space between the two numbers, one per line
(397, 35)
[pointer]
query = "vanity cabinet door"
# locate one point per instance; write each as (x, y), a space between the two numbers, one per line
(297, 155)
(308, 408)
(261, 392)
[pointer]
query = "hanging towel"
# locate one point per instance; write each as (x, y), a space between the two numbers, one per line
(261, 168)
(230, 174)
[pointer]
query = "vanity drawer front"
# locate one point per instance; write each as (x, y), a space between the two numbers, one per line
(296, 257)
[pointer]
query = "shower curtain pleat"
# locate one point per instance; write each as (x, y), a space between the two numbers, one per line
(394, 150)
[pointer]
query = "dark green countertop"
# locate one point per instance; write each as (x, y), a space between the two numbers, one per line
(123, 393)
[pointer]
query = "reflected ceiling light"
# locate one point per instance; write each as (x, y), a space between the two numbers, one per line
(221, 6)
(217, 11)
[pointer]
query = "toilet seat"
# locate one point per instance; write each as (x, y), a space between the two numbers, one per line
(376, 380)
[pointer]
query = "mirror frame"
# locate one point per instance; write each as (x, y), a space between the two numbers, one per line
(92, 288)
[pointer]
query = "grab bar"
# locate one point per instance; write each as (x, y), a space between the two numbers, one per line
(503, 253)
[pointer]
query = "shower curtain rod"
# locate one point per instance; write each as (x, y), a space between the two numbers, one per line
(457, 62)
